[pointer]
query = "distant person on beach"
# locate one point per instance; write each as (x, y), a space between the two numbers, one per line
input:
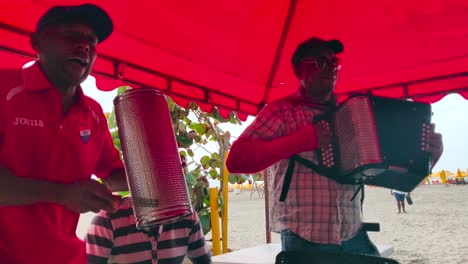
(400, 198)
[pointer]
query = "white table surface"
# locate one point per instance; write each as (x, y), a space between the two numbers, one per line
(266, 254)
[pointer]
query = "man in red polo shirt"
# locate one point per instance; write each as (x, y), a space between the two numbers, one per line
(52, 139)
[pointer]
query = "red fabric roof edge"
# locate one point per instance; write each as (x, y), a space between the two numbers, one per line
(237, 56)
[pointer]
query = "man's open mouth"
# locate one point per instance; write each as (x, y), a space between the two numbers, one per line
(80, 61)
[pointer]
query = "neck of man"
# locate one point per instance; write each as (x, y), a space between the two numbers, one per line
(319, 99)
(68, 93)
(316, 99)
(65, 88)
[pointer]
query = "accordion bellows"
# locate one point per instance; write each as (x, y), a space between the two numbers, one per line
(152, 162)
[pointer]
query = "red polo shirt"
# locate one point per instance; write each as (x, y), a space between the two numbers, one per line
(38, 141)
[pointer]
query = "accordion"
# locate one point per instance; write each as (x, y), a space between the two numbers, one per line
(377, 141)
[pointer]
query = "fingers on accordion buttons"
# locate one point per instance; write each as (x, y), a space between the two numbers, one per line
(425, 139)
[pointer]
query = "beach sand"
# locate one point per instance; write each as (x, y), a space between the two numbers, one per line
(434, 231)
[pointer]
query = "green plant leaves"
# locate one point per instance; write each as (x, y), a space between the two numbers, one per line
(205, 221)
(199, 128)
(190, 152)
(205, 161)
(213, 173)
(237, 178)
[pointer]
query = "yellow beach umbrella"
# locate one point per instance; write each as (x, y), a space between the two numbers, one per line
(427, 180)
(443, 176)
(460, 174)
(430, 177)
(449, 174)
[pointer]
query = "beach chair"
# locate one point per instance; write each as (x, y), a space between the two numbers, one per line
(257, 187)
(319, 257)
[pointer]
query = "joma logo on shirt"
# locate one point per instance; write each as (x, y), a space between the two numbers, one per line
(21, 121)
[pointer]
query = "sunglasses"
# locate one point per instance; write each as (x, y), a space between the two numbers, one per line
(324, 63)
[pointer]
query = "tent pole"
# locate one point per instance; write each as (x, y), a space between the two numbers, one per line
(279, 49)
(267, 207)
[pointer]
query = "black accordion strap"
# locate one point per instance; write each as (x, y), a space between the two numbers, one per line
(309, 164)
(290, 170)
(361, 188)
(315, 167)
(287, 179)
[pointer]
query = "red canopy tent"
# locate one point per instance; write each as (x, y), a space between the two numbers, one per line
(236, 54)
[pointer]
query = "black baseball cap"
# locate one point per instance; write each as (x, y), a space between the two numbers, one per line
(307, 47)
(90, 14)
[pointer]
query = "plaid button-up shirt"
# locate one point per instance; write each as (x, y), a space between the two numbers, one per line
(317, 208)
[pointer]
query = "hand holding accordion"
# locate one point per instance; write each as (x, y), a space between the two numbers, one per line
(378, 141)
(435, 146)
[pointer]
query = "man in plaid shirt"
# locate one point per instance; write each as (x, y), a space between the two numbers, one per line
(318, 212)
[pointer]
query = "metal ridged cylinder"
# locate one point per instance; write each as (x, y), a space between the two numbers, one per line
(152, 162)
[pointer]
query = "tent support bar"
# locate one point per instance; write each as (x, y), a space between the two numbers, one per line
(120, 71)
(128, 81)
(169, 92)
(17, 30)
(284, 34)
(405, 86)
(267, 205)
(18, 52)
(464, 89)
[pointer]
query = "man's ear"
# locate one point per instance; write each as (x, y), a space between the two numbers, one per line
(298, 71)
(35, 41)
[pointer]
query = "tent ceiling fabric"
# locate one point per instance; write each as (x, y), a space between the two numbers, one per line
(229, 54)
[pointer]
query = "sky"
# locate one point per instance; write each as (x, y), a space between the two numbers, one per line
(448, 117)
